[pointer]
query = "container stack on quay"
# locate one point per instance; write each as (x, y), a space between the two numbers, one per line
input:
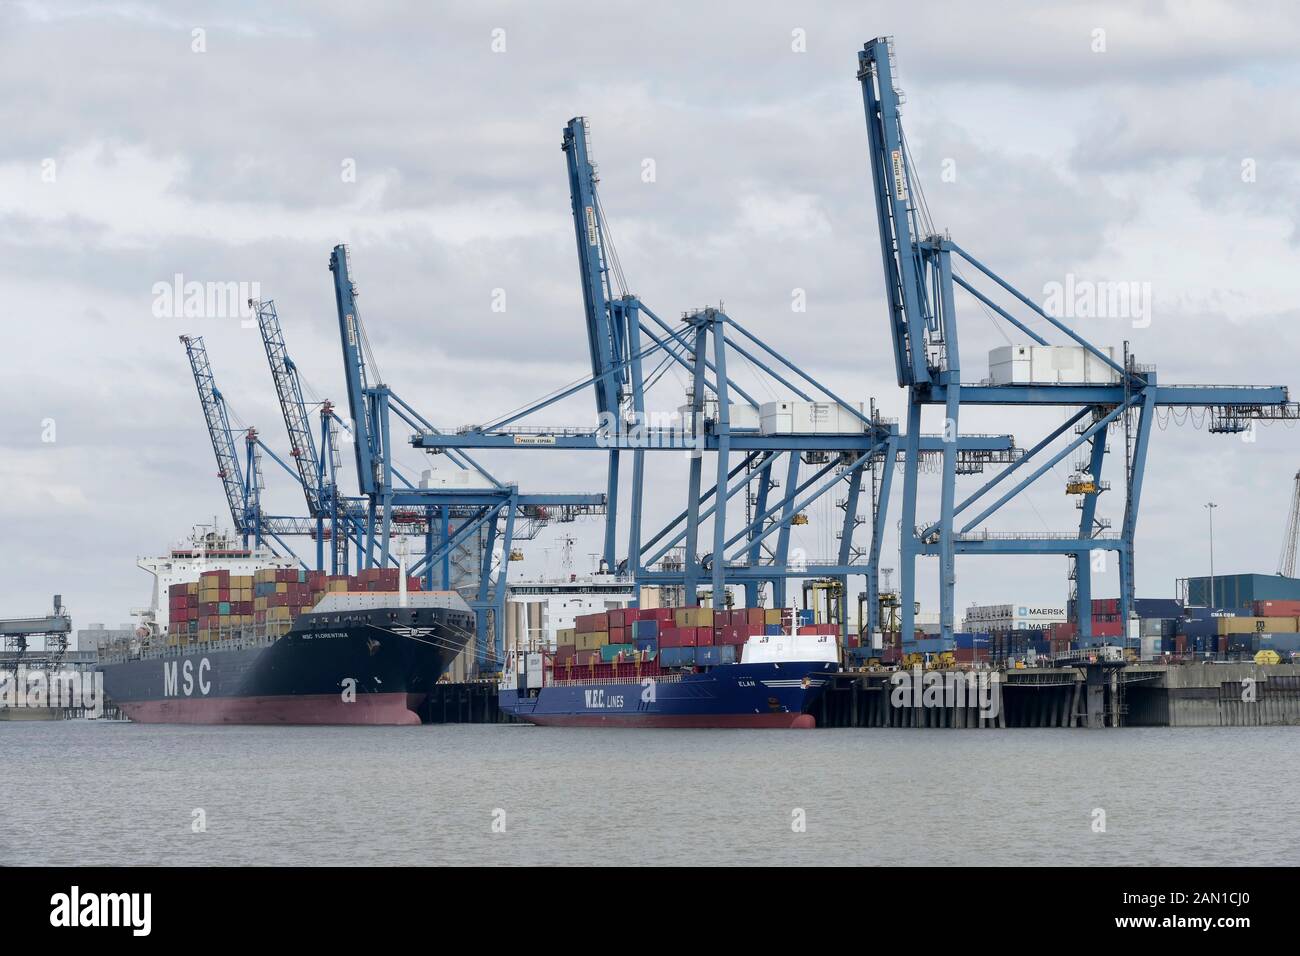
(220, 605)
(638, 641)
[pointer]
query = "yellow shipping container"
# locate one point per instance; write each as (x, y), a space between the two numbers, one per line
(564, 636)
(694, 617)
(277, 614)
(337, 587)
(591, 642)
(1257, 625)
(264, 576)
(282, 588)
(772, 616)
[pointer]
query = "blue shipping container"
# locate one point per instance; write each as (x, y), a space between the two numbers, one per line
(1157, 607)
(927, 645)
(650, 644)
(642, 629)
(1284, 644)
(677, 656)
(717, 654)
(774, 630)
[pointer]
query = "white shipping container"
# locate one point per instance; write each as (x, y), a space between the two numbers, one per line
(742, 417)
(811, 418)
(1050, 365)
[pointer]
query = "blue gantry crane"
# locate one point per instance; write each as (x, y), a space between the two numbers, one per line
(923, 271)
(631, 348)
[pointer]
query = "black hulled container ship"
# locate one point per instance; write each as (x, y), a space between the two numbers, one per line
(284, 646)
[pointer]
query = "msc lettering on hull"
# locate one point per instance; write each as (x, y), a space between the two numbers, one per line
(178, 677)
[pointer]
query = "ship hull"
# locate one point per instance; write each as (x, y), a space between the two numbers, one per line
(360, 668)
(727, 696)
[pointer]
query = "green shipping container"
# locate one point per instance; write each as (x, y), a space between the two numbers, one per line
(223, 607)
(608, 652)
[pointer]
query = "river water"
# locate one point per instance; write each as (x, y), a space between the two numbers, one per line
(100, 792)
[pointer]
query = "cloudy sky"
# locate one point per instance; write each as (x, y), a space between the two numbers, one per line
(1151, 143)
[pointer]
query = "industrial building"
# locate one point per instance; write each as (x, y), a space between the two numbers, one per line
(93, 636)
(1238, 591)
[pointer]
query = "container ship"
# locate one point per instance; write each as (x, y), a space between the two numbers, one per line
(674, 667)
(283, 646)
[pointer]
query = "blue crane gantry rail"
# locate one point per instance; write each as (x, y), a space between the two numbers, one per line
(921, 275)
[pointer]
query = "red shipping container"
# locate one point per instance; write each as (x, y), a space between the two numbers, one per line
(755, 615)
(1276, 609)
(617, 635)
(617, 618)
(590, 623)
(703, 637)
(674, 636)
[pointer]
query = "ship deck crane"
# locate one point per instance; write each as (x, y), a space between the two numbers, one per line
(923, 271)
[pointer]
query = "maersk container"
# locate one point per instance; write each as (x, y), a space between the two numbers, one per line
(677, 656)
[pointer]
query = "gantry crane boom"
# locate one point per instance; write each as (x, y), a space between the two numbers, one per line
(605, 334)
(909, 312)
(1286, 564)
(364, 426)
(218, 422)
(288, 389)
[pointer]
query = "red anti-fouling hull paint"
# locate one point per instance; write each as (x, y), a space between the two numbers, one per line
(367, 709)
(697, 722)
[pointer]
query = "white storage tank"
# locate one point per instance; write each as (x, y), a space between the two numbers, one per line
(1050, 365)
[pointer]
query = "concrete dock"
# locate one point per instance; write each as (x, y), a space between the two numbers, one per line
(1085, 695)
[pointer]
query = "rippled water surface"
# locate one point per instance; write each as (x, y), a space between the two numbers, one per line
(119, 793)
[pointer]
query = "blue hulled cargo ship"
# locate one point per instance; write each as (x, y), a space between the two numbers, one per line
(775, 684)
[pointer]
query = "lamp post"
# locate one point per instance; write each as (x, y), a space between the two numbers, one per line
(1210, 506)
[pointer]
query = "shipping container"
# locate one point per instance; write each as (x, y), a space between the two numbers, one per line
(696, 617)
(676, 637)
(712, 656)
(677, 656)
(590, 641)
(1277, 608)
